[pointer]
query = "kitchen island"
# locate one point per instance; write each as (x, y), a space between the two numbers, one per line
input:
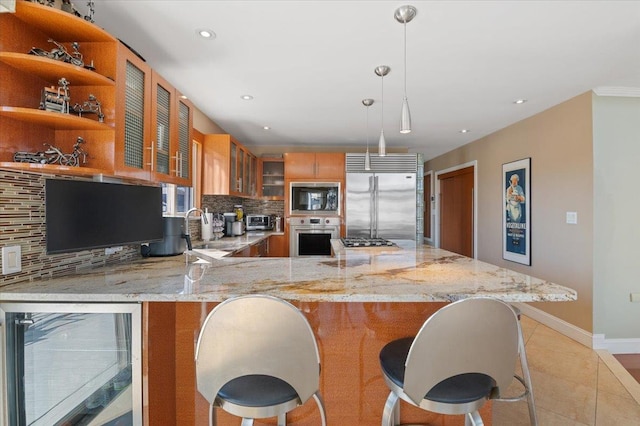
(356, 301)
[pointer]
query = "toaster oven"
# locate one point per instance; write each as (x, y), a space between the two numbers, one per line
(259, 222)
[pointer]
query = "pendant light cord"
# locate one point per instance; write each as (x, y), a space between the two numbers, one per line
(405, 59)
(367, 127)
(382, 103)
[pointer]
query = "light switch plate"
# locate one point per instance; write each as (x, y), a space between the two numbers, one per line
(635, 297)
(572, 218)
(11, 260)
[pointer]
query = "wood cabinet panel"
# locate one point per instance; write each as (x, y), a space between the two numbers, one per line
(330, 165)
(278, 246)
(229, 168)
(304, 165)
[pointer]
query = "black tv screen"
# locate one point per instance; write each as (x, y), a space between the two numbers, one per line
(82, 215)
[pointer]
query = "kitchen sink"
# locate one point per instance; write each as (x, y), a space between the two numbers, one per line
(204, 247)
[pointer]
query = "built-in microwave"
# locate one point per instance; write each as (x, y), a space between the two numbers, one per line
(317, 198)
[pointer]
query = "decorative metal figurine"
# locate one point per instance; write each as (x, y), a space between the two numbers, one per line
(53, 155)
(56, 100)
(92, 106)
(60, 53)
(92, 11)
(69, 7)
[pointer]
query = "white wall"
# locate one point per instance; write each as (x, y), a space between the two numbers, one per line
(616, 271)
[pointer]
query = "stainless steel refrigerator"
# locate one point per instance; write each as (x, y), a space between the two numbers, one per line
(382, 203)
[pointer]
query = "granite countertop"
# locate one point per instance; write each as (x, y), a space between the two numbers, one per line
(403, 274)
(228, 245)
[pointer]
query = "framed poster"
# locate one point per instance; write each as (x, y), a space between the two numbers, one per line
(516, 211)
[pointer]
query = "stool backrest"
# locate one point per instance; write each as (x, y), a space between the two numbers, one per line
(257, 335)
(476, 335)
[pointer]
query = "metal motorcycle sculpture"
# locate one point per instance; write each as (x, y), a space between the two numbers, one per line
(69, 7)
(92, 105)
(60, 53)
(53, 155)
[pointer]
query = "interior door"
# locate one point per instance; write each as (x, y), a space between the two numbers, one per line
(427, 206)
(456, 211)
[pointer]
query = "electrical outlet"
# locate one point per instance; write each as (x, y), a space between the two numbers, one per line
(11, 260)
(635, 297)
(111, 250)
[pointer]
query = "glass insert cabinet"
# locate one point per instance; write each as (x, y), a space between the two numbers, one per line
(70, 364)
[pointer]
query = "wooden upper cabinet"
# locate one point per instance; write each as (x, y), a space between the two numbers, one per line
(153, 126)
(133, 157)
(321, 165)
(228, 167)
(146, 129)
(183, 142)
(271, 178)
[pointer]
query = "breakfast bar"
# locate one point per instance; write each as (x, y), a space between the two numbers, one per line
(356, 301)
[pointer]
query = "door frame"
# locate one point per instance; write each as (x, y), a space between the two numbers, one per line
(436, 228)
(428, 211)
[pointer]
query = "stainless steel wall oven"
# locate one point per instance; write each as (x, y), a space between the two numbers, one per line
(311, 236)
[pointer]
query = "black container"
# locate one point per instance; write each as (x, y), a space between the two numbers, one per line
(173, 242)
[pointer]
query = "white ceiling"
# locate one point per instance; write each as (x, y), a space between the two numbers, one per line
(309, 64)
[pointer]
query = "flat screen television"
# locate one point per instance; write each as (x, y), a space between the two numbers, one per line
(82, 215)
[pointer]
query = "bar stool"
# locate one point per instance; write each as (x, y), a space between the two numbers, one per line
(525, 380)
(463, 355)
(257, 357)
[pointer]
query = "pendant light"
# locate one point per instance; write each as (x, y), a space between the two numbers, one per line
(403, 15)
(381, 71)
(367, 157)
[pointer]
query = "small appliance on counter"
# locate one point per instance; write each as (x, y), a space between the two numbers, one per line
(173, 242)
(259, 222)
(229, 220)
(237, 228)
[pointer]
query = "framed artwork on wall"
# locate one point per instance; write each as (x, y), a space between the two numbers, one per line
(516, 211)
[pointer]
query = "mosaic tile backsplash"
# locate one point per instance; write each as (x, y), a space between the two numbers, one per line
(22, 222)
(225, 203)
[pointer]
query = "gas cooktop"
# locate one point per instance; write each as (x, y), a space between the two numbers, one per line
(366, 242)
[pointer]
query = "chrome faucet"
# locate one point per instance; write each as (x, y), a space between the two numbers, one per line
(187, 234)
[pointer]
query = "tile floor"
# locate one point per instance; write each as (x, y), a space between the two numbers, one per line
(573, 385)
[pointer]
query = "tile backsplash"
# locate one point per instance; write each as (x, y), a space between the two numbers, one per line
(22, 222)
(225, 203)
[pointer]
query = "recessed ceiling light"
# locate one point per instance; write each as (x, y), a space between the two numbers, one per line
(266, 127)
(465, 131)
(206, 33)
(183, 97)
(246, 97)
(519, 101)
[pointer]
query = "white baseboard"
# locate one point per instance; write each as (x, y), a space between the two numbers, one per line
(593, 341)
(616, 346)
(571, 331)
